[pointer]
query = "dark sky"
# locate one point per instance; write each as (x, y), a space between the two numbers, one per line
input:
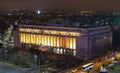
(63, 4)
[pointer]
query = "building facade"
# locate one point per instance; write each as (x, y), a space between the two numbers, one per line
(79, 42)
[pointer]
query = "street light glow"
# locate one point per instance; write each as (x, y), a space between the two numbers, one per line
(38, 12)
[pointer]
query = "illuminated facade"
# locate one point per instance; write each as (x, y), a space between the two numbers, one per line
(62, 40)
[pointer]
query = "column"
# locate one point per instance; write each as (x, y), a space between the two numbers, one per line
(71, 43)
(48, 41)
(58, 42)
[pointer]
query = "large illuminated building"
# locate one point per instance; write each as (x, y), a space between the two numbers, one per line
(76, 41)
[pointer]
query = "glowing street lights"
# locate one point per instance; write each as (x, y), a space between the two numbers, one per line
(38, 12)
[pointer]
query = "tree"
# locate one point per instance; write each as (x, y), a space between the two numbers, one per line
(3, 27)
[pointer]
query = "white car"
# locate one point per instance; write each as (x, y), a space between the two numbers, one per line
(111, 65)
(103, 70)
(115, 62)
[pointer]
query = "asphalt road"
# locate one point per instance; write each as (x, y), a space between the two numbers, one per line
(97, 65)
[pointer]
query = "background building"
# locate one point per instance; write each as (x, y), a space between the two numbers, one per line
(82, 42)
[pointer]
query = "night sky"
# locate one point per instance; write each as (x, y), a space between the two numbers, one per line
(63, 4)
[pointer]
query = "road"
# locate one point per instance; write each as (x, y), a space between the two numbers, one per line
(97, 65)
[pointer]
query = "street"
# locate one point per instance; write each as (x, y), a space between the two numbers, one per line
(97, 65)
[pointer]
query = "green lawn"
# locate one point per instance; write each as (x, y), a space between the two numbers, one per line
(114, 69)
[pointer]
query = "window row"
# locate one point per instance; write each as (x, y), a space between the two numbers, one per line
(50, 32)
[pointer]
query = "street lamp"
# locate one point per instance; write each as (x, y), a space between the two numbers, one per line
(6, 54)
(39, 65)
(35, 59)
(46, 71)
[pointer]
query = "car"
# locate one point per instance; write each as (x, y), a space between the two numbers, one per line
(114, 58)
(115, 62)
(111, 65)
(103, 70)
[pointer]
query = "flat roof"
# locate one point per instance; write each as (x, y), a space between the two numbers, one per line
(87, 64)
(64, 25)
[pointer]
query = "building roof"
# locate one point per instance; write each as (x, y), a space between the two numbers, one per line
(64, 25)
